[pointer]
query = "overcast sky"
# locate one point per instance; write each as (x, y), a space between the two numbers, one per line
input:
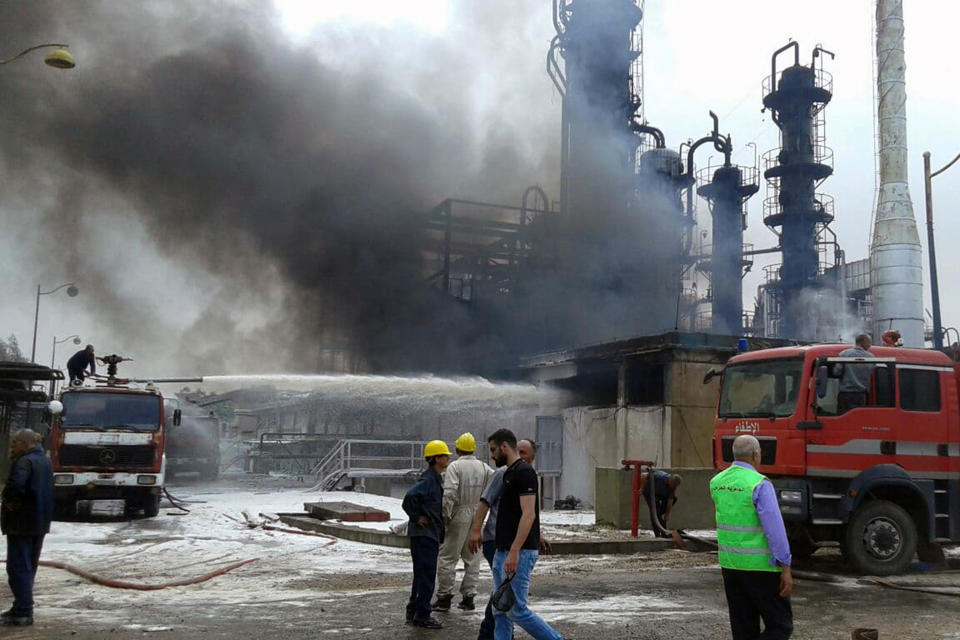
(700, 55)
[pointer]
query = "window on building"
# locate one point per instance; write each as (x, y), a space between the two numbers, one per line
(645, 383)
(919, 390)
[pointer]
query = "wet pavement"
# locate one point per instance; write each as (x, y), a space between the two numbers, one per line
(302, 588)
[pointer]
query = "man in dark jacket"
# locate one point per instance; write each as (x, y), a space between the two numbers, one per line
(25, 516)
(79, 362)
(423, 503)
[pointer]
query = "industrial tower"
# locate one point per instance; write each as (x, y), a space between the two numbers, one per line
(796, 212)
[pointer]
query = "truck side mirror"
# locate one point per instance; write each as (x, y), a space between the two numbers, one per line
(176, 417)
(710, 375)
(823, 378)
(55, 407)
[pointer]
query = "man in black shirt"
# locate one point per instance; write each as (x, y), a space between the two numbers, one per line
(517, 539)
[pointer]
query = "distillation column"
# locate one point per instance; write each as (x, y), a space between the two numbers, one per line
(794, 173)
(726, 194)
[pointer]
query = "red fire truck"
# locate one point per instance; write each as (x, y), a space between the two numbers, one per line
(882, 480)
(107, 442)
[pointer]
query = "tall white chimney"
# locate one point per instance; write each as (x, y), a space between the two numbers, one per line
(896, 272)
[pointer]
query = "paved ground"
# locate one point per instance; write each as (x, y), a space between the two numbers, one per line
(301, 588)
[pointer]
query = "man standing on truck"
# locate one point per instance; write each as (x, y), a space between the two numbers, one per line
(463, 484)
(423, 503)
(854, 378)
(753, 551)
(79, 362)
(25, 517)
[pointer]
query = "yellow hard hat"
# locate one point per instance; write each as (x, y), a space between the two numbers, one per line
(436, 448)
(466, 443)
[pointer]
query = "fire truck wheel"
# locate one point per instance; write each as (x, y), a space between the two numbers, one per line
(151, 506)
(881, 539)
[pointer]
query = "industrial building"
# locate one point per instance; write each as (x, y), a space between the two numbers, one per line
(618, 296)
(651, 305)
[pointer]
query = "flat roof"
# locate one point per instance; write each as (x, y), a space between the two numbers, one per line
(640, 345)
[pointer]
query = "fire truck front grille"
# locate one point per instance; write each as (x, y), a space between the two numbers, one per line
(72, 455)
(768, 449)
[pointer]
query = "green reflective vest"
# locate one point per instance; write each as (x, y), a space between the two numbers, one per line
(740, 535)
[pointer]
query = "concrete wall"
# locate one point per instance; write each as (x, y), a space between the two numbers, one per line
(694, 509)
(602, 437)
(693, 408)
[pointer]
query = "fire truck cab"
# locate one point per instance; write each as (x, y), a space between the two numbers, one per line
(108, 443)
(883, 479)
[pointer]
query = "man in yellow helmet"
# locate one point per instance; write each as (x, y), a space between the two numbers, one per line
(754, 553)
(423, 503)
(463, 484)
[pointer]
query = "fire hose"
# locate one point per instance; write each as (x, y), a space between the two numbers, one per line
(937, 591)
(120, 584)
(175, 502)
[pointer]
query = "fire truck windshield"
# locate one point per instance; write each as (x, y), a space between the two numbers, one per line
(101, 411)
(762, 388)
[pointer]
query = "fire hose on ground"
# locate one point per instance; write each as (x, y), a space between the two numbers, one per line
(120, 584)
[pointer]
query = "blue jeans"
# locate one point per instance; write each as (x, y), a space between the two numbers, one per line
(519, 614)
(487, 626)
(23, 554)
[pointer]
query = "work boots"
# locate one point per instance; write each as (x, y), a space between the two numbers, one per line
(11, 618)
(466, 603)
(427, 623)
(442, 603)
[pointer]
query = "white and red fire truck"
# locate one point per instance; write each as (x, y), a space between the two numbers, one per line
(107, 442)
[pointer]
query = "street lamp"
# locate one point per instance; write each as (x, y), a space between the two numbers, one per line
(53, 356)
(72, 291)
(934, 286)
(60, 58)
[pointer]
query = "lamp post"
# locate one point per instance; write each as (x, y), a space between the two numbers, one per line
(72, 291)
(934, 285)
(60, 58)
(53, 357)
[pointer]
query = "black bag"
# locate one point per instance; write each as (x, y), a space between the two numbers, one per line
(503, 598)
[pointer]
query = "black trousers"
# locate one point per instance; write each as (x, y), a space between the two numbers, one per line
(847, 400)
(755, 595)
(424, 552)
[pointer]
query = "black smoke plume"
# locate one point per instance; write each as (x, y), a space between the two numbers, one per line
(235, 147)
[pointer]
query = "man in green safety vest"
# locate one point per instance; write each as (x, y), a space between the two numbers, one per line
(754, 552)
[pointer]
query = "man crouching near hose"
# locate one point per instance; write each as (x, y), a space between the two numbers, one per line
(25, 516)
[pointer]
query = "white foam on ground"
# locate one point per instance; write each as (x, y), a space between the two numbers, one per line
(613, 608)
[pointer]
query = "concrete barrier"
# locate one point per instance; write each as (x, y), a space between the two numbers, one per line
(694, 509)
(390, 539)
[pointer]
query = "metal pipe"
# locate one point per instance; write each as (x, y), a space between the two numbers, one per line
(657, 134)
(773, 61)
